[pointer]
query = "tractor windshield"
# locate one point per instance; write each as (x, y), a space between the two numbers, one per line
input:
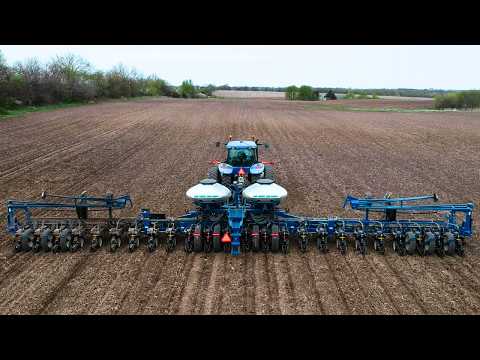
(241, 157)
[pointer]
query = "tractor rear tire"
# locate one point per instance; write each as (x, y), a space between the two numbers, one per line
(268, 173)
(275, 239)
(256, 238)
(217, 245)
(197, 240)
(213, 173)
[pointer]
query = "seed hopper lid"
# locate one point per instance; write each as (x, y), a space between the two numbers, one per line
(265, 181)
(208, 181)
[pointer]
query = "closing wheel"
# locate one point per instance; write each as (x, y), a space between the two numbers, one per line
(132, 245)
(97, 242)
(171, 243)
(460, 246)
(197, 239)
(152, 243)
(429, 243)
(217, 245)
(449, 244)
(275, 239)
(255, 238)
(285, 241)
(36, 244)
(114, 243)
(410, 242)
(46, 238)
(188, 244)
(65, 240)
(303, 242)
(26, 240)
(77, 243)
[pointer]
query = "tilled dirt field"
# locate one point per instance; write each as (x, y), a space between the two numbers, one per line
(156, 149)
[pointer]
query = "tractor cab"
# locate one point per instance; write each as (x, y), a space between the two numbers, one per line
(242, 153)
(242, 161)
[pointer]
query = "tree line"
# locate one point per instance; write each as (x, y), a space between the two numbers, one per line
(69, 78)
(339, 90)
(458, 100)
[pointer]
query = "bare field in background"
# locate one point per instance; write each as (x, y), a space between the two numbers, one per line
(249, 94)
(155, 150)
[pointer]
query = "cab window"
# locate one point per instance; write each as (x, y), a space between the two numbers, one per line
(241, 157)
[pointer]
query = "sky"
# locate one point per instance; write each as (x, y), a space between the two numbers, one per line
(452, 67)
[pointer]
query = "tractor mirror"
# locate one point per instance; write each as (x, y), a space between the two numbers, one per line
(266, 146)
(217, 144)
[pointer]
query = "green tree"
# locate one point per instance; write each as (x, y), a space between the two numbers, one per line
(306, 93)
(187, 89)
(291, 93)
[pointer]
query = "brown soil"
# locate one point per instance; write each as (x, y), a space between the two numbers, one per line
(384, 103)
(156, 149)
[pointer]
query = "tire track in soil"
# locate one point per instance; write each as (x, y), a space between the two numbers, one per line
(360, 286)
(9, 293)
(461, 284)
(337, 287)
(354, 296)
(306, 295)
(448, 282)
(233, 301)
(465, 274)
(148, 276)
(417, 293)
(30, 297)
(391, 286)
(10, 175)
(313, 285)
(278, 266)
(440, 297)
(192, 283)
(87, 287)
(205, 276)
(167, 294)
(249, 283)
(216, 284)
(77, 267)
(271, 285)
(372, 288)
(180, 284)
(123, 297)
(111, 300)
(16, 267)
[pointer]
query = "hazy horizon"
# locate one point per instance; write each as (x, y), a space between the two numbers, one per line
(440, 67)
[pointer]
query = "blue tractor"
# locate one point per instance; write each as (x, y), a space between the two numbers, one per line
(242, 160)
